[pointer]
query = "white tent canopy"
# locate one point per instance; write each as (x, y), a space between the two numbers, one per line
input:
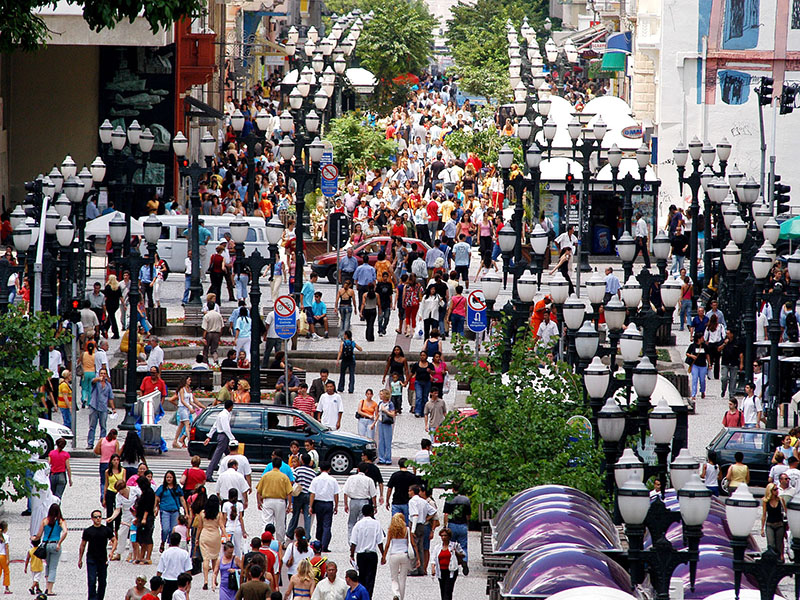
(626, 165)
(99, 226)
(556, 168)
(357, 76)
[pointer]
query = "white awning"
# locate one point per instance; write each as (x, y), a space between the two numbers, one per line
(626, 165)
(556, 168)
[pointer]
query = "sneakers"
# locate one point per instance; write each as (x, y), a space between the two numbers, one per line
(315, 336)
(465, 569)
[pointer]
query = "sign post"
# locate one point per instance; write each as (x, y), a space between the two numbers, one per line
(329, 180)
(476, 317)
(285, 328)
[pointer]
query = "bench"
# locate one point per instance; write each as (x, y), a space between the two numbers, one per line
(201, 378)
(193, 315)
(268, 377)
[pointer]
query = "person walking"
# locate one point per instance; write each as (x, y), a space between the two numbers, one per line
(87, 362)
(60, 470)
(186, 407)
(640, 232)
(457, 514)
(366, 542)
(303, 476)
(324, 502)
(65, 398)
(113, 474)
(331, 587)
(398, 542)
(457, 311)
(273, 491)
(421, 372)
(367, 416)
(174, 562)
(113, 297)
(714, 336)
(216, 271)
(752, 408)
(368, 311)
(387, 414)
(738, 473)
(346, 360)
(710, 473)
(301, 584)
(385, 291)
(429, 310)
(52, 532)
(697, 358)
(358, 490)
(212, 325)
(228, 572)
(94, 542)
(169, 503)
(445, 558)
(242, 331)
(344, 306)
(732, 359)
(211, 527)
(222, 427)
(773, 520)
(686, 300)
(298, 551)
(363, 276)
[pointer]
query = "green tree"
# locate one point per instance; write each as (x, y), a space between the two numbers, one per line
(20, 403)
(398, 40)
(357, 145)
(23, 29)
(520, 437)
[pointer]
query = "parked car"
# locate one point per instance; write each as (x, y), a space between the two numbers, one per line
(52, 431)
(325, 264)
(757, 446)
(264, 428)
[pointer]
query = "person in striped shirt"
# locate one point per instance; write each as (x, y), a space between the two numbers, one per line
(304, 402)
(304, 475)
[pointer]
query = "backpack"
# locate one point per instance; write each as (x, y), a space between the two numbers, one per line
(347, 350)
(316, 567)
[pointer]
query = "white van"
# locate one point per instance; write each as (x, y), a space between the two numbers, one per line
(173, 244)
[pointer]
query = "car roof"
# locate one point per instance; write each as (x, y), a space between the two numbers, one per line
(759, 431)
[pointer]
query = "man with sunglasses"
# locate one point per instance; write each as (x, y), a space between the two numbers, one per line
(96, 537)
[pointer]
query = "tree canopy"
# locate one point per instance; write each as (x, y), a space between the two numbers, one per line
(21, 337)
(22, 29)
(357, 145)
(520, 437)
(476, 36)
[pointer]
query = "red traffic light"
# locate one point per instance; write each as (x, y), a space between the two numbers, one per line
(75, 304)
(184, 162)
(570, 178)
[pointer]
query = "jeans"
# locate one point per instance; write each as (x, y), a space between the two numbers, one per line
(187, 281)
(52, 558)
(364, 428)
(169, 519)
(460, 535)
(383, 320)
(66, 417)
(730, 373)
(324, 512)
(345, 367)
(447, 582)
(96, 417)
(686, 307)
(241, 286)
(421, 389)
(345, 313)
(356, 504)
(385, 432)
(96, 573)
(699, 374)
(300, 506)
(457, 324)
(400, 508)
(58, 482)
(677, 264)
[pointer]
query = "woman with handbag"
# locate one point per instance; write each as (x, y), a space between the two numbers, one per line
(52, 532)
(386, 416)
(402, 551)
(446, 556)
(367, 416)
(228, 569)
(169, 502)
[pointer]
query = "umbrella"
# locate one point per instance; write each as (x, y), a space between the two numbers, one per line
(790, 229)
(99, 226)
(407, 79)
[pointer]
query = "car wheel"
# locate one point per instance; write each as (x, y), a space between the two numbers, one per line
(48, 445)
(341, 462)
(723, 487)
(332, 275)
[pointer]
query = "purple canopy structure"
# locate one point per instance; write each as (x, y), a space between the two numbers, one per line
(714, 573)
(554, 527)
(542, 490)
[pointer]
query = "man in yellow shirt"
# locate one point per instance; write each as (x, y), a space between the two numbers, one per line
(65, 398)
(273, 492)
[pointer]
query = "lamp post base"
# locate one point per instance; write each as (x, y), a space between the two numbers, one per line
(129, 422)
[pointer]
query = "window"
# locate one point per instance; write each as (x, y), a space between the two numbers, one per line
(251, 234)
(741, 440)
(283, 421)
(795, 14)
(246, 419)
(164, 233)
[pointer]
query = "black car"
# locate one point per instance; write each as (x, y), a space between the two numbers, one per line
(264, 428)
(757, 446)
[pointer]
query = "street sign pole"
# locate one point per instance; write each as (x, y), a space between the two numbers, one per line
(286, 372)
(476, 317)
(338, 266)
(285, 324)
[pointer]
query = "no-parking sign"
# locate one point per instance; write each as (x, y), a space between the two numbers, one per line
(285, 317)
(329, 180)
(476, 311)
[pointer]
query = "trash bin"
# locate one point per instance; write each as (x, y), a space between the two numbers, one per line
(601, 240)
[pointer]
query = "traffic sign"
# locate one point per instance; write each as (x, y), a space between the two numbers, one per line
(285, 317)
(476, 311)
(329, 180)
(327, 153)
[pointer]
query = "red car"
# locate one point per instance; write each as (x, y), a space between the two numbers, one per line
(325, 264)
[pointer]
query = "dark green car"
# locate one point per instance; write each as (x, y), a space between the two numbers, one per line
(264, 428)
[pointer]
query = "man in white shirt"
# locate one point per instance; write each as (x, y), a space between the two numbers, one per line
(225, 438)
(332, 587)
(751, 407)
(101, 358)
(330, 407)
(358, 491)
(174, 561)
(640, 233)
(324, 503)
(244, 464)
(156, 358)
(547, 329)
(793, 472)
(778, 468)
(420, 512)
(366, 541)
(232, 479)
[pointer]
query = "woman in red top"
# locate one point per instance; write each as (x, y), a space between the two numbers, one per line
(192, 477)
(60, 470)
(398, 229)
(411, 296)
(457, 311)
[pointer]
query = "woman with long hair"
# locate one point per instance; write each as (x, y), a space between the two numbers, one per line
(209, 523)
(242, 330)
(429, 310)
(87, 361)
(113, 474)
(439, 372)
(369, 310)
(113, 294)
(186, 406)
(301, 584)
(227, 567)
(396, 546)
(233, 520)
(297, 551)
(446, 555)
(125, 286)
(60, 470)
(169, 502)
(411, 298)
(52, 532)
(563, 266)
(396, 363)
(714, 335)
(132, 454)
(344, 305)
(106, 448)
(773, 524)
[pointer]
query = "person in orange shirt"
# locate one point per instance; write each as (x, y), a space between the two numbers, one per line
(265, 205)
(542, 306)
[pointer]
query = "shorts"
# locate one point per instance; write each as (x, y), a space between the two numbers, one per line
(37, 577)
(145, 533)
(463, 272)
(183, 414)
(133, 534)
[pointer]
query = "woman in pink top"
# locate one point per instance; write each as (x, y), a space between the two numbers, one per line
(104, 449)
(439, 371)
(59, 468)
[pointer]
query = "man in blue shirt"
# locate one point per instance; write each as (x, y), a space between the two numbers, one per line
(430, 259)
(461, 257)
(612, 285)
(284, 468)
(319, 313)
(356, 591)
(307, 295)
(203, 236)
(102, 397)
(147, 275)
(348, 265)
(699, 322)
(364, 275)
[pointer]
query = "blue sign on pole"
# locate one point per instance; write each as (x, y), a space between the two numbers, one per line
(329, 180)
(285, 317)
(476, 312)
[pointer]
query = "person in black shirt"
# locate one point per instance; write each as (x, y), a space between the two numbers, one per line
(457, 513)
(372, 471)
(385, 290)
(732, 362)
(145, 507)
(400, 481)
(697, 359)
(680, 245)
(96, 537)
(230, 361)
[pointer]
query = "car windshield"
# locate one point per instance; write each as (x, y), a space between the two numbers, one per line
(286, 420)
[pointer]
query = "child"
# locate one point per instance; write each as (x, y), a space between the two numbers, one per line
(396, 387)
(184, 585)
(182, 528)
(4, 556)
(37, 567)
